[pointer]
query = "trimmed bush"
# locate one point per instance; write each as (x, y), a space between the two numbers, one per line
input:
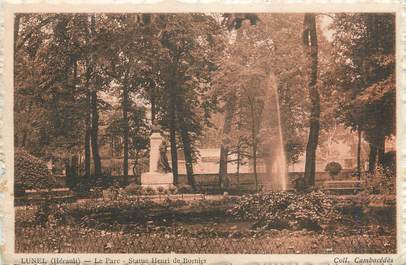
(333, 168)
(160, 189)
(149, 191)
(31, 172)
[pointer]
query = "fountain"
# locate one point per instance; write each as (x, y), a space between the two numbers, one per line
(276, 174)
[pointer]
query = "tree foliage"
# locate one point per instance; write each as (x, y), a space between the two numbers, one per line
(76, 61)
(364, 84)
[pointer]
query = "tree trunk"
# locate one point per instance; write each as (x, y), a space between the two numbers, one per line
(172, 117)
(74, 165)
(25, 132)
(71, 170)
(311, 48)
(230, 109)
(372, 158)
(80, 160)
(254, 158)
(87, 152)
(94, 130)
(254, 141)
(24, 140)
(238, 163)
(172, 136)
(359, 153)
(88, 127)
(187, 150)
(67, 167)
(381, 150)
(94, 135)
(125, 106)
(223, 176)
(87, 137)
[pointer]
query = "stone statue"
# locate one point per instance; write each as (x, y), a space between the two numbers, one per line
(163, 164)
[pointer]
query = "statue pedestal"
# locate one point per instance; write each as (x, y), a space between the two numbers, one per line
(155, 141)
(153, 178)
(156, 179)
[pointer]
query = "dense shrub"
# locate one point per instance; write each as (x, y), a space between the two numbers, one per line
(185, 189)
(93, 206)
(279, 210)
(91, 210)
(111, 193)
(26, 214)
(84, 184)
(133, 189)
(43, 213)
(389, 161)
(31, 172)
(333, 168)
(382, 181)
(169, 203)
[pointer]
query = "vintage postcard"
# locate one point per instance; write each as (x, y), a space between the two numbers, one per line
(221, 133)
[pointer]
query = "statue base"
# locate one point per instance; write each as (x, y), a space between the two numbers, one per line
(156, 179)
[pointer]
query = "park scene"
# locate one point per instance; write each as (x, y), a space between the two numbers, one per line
(268, 133)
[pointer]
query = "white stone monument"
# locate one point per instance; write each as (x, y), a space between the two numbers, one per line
(154, 178)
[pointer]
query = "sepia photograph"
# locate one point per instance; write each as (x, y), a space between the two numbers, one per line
(205, 133)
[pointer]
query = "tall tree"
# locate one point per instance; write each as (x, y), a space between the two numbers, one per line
(62, 55)
(268, 49)
(365, 69)
(233, 22)
(191, 43)
(94, 132)
(128, 58)
(311, 49)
